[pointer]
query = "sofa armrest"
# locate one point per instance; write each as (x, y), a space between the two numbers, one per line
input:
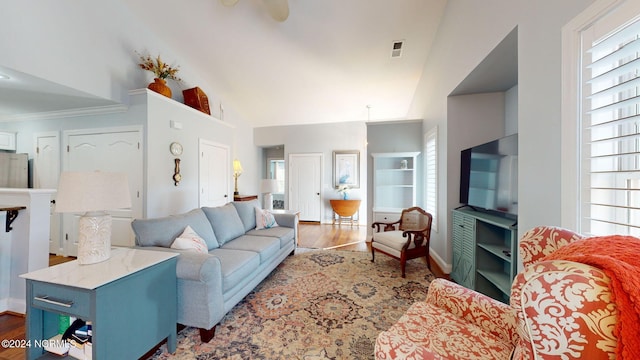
(192, 265)
(198, 267)
(474, 307)
(286, 220)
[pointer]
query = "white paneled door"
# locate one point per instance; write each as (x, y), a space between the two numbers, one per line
(108, 150)
(305, 179)
(215, 174)
(46, 171)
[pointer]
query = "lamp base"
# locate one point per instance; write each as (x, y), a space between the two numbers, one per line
(268, 201)
(94, 237)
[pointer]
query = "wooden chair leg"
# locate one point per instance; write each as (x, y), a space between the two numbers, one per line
(373, 254)
(403, 263)
(428, 261)
(207, 335)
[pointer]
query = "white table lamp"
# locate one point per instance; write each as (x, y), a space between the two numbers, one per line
(92, 193)
(237, 171)
(268, 187)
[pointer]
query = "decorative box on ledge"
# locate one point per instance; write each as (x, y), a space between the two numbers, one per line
(197, 99)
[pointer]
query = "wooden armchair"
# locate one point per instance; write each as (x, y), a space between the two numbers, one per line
(405, 239)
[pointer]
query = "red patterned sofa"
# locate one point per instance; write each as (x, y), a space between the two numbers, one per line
(559, 310)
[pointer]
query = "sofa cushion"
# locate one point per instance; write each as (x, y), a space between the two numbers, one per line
(266, 246)
(285, 234)
(246, 211)
(225, 222)
(235, 265)
(163, 231)
(264, 219)
(191, 241)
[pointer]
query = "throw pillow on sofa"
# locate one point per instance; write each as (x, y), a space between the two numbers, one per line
(264, 219)
(190, 240)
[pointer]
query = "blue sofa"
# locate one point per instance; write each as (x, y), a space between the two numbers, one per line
(239, 258)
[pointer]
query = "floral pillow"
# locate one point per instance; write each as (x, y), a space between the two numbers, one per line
(264, 219)
(190, 240)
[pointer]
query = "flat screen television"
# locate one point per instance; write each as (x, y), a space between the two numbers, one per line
(489, 176)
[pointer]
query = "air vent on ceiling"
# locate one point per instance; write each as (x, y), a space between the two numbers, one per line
(396, 50)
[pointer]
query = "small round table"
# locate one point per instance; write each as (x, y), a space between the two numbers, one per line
(345, 209)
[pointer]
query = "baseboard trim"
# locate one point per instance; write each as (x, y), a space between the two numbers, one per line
(442, 265)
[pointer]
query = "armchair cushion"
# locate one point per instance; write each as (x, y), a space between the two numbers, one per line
(391, 242)
(477, 328)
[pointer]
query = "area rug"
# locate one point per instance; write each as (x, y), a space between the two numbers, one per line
(315, 305)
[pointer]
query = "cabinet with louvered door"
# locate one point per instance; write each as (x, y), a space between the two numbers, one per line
(463, 271)
(484, 252)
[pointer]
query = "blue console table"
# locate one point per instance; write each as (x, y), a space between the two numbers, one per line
(129, 298)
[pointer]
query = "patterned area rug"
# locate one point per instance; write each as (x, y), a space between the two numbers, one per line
(315, 305)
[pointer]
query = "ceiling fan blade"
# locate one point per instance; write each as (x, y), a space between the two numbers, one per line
(278, 9)
(228, 2)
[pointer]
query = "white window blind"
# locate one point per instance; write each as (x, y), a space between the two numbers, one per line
(610, 131)
(431, 174)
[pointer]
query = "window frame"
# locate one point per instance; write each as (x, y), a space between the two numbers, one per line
(431, 206)
(572, 105)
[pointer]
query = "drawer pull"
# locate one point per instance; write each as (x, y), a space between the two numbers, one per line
(54, 301)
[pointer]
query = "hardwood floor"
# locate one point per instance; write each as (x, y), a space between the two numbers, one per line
(343, 237)
(316, 236)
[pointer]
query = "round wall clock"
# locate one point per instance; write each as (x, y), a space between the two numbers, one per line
(175, 148)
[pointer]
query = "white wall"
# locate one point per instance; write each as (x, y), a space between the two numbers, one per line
(323, 138)
(90, 46)
(163, 196)
(511, 111)
(471, 120)
(468, 32)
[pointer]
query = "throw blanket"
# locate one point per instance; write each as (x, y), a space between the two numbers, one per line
(619, 257)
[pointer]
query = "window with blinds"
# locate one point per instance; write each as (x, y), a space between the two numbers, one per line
(431, 174)
(610, 131)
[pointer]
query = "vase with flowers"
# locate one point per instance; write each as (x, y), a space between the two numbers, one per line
(162, 71)
(344, 191)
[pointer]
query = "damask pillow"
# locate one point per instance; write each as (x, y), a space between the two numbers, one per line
(190, 240)
(264, 219)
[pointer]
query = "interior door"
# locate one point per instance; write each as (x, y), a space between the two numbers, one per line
(215, 174)
(46, 172)
(305, 179)
(108, 150)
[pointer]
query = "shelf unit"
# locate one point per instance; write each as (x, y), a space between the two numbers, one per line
(394, 184)
(484, 252)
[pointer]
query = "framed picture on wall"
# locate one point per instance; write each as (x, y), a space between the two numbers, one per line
(346, 168)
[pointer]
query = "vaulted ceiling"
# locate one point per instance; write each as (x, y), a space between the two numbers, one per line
(326, 63)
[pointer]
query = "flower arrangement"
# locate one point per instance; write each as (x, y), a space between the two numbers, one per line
(159, 68)
(343, 190)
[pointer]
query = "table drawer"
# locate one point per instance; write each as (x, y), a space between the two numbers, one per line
(386, 217)
(64, 299)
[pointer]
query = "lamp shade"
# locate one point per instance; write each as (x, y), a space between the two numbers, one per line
(92, 191)
(237, 167)
(268, 186)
